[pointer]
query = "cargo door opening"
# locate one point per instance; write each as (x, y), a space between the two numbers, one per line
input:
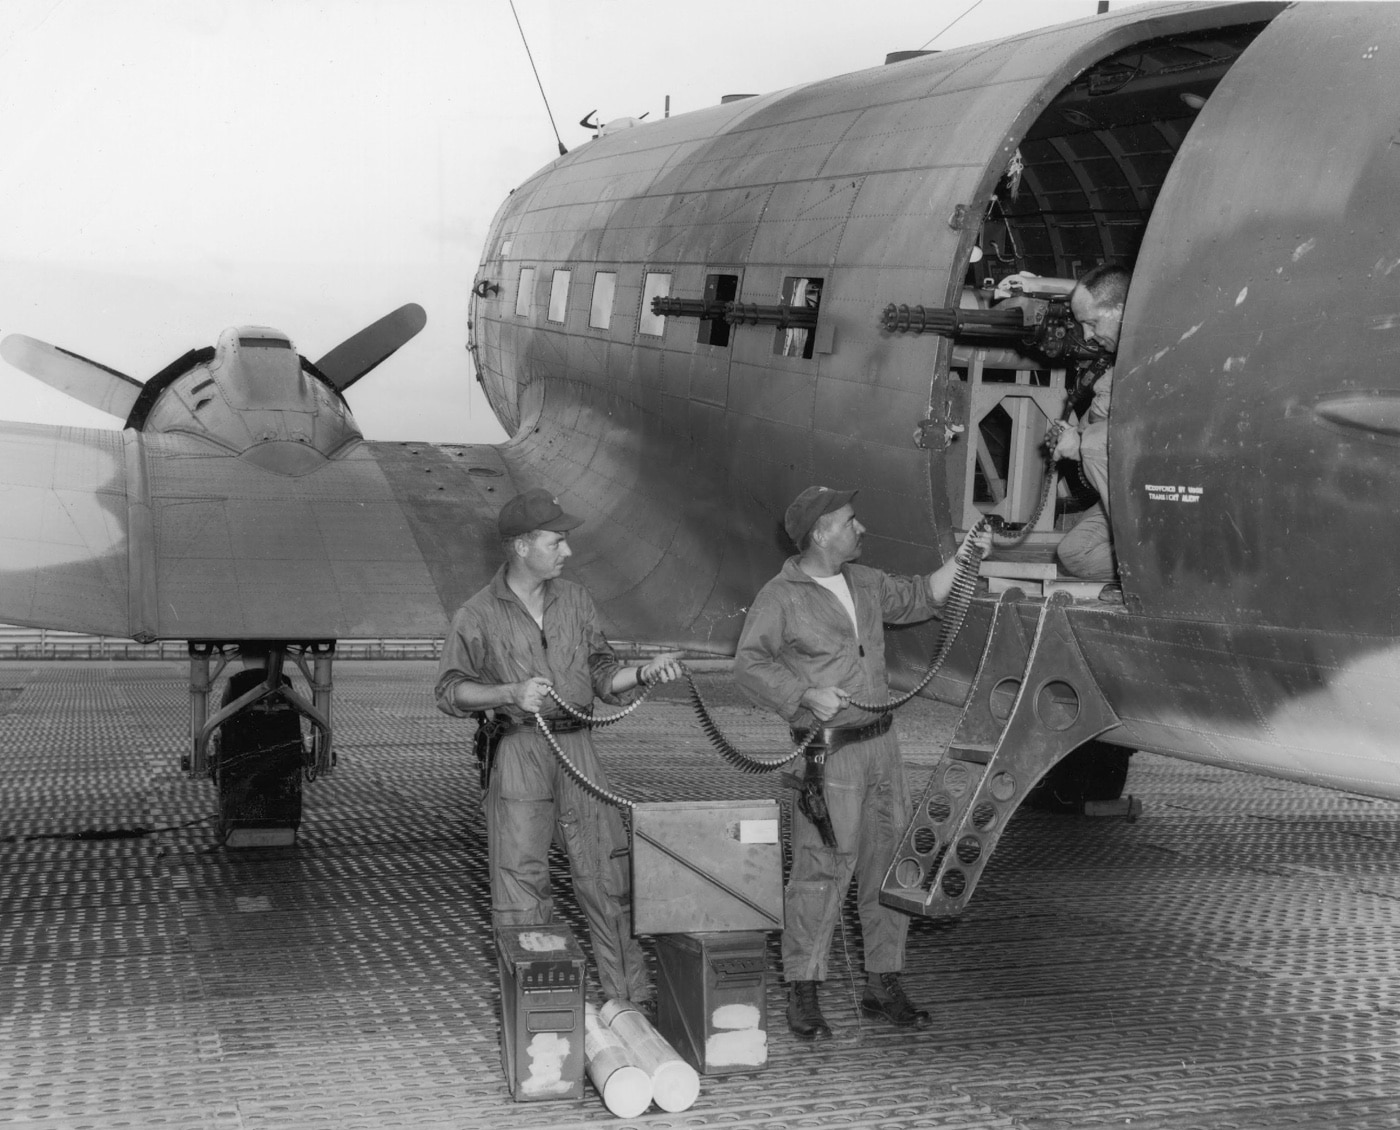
(1078, 191)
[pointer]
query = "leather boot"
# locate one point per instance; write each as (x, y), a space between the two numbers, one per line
(804, 1015)
(889, 1003)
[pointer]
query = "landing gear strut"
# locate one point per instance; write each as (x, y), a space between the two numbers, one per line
(253, 745)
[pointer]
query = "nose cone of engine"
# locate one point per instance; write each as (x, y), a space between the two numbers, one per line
(255, 398)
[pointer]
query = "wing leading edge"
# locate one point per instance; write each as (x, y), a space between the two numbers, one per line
(166, 537)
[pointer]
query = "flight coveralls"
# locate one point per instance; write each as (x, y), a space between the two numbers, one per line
(797, 636)
(531, 798)
(1087, 550)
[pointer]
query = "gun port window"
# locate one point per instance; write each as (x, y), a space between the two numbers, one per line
(656, 286)
(718, 288)
(797, 340)
(525, 292)
(559, 296)
(604, 288)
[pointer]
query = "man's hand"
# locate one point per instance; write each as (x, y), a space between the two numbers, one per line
(530, 694)
(1067, 446)
(982, 541)
(662, 669)
(1013, 284)
(825, 702)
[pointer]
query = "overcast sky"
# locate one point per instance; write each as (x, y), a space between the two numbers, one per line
(173, 167)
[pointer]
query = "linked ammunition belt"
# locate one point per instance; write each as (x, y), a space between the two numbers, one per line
(490, 731)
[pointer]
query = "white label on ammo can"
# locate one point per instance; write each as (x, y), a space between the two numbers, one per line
(537, 941)
(758, 831)
(547, 1052)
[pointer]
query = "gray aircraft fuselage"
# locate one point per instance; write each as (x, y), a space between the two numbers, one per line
(1229, 154)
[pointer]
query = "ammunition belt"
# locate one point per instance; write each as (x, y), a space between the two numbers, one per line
(832, 738)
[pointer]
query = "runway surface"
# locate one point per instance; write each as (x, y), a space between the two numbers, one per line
(1229, 960)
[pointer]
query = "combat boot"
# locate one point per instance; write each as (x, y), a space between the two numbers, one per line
(804, 1015)
(890, 1003)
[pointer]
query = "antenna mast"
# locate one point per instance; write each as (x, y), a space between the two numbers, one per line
(531, 57)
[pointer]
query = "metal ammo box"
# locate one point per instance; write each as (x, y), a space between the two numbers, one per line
(711, 1000)
(706, 866)
(542, 981)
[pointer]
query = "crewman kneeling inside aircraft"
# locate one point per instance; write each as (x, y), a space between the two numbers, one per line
(523, 635)
(1097, 304)
(813, 639)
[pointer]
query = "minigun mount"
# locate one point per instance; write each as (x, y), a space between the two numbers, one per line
(1045, 325)
(737, 313)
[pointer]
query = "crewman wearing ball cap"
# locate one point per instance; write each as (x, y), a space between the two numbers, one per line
(526, 632)
(814, 639)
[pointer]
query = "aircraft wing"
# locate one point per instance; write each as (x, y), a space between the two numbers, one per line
(63, 515)
(164, 536)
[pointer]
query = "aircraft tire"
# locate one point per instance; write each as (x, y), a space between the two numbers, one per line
(258, 763)
(1096, 771)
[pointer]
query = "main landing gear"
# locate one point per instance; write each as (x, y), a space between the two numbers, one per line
(254, 745)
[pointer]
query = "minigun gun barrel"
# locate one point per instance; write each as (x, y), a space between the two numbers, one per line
(737, 313)
(950, 321)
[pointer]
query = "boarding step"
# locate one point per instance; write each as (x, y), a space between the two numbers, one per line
(1043, 584)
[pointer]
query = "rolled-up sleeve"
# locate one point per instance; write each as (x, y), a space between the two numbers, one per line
(460, 662)
(905, 600)
(603, 664)
(758, 672)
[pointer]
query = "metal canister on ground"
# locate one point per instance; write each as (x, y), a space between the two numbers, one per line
(542, 980)
(711, 1003)
(674, 1083)
(613, 1068)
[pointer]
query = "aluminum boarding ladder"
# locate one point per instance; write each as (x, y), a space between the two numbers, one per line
(1032, 702)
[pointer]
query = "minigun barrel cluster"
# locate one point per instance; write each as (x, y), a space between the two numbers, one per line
(737, 313)
(1045, 325)
(950, 321)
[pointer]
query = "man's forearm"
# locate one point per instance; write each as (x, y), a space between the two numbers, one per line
(626, 679)
(940, 581)
(467, 695)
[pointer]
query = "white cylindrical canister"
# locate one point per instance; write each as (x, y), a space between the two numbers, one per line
(624, 1084)
(675, 1085)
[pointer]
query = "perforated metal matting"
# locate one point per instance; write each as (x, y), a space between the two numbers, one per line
(1227, 961)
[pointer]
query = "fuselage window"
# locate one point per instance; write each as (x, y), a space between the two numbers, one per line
(559, 296)
(718, 288)
(797, 341)
(656, 286)
(604, 287)
(525, 292)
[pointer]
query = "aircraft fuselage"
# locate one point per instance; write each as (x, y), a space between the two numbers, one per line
(1253, 434)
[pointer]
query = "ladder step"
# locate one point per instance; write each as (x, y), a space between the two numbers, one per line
(976, 753)
(1030, 570)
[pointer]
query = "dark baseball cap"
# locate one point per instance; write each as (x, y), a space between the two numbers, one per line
(534, 510)
(810, 505)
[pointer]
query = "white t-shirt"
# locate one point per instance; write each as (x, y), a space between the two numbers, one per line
(838, 587)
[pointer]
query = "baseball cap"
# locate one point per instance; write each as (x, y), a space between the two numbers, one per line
(534, 510)
(810, 505)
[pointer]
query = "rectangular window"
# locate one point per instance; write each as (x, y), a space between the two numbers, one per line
(797, 341)
(559, 296)
(525, 292)
(656, 286)
(604, 287)
(718, 288)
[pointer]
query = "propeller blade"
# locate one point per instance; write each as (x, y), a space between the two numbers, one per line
(94, 384)
(361, 352)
